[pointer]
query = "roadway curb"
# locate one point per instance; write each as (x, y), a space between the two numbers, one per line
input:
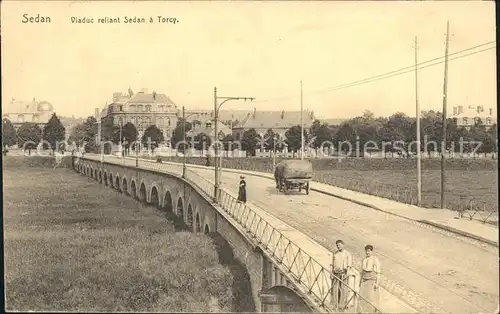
(457, 231)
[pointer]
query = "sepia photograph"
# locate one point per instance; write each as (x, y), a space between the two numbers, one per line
(250, 156)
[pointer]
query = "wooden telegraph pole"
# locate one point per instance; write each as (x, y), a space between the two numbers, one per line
(443, 144)
(417, 108)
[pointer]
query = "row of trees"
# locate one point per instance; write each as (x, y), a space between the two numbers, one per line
(84, 135)
(396, 133)
(29, 135)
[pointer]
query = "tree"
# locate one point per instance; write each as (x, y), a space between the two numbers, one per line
(492, 133)
(293, 138)
(347, 134)
(152, 137)
(229, 143)
(84, 134)
(270, 140)
(322, 135)
(249, 141)
(54, 133)
(29, 136)
(128, 136)
(78, 135)
(9, 136)
(178, 134)
(202, 142)
(367, 133)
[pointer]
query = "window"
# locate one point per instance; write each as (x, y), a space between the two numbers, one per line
(148, 108)
(465, 121)
(20, 118)
(133, 108)
(488, 121)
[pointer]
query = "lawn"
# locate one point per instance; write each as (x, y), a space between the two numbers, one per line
(461, 187)
(72, 246)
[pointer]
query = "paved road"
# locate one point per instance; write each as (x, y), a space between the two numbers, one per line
(456, 276)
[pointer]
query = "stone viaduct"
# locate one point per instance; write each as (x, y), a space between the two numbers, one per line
(275, 286)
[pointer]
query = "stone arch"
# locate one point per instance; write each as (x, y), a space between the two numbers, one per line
(124, 186)
(197, 224)
(206, 229)
(111, 182)
(168, 203)
(150, 194)
(291, 300)
(105, 179)
(117, 183)
(91, 173)
(189, 218)
(133, 189)
(96, 174)
(180, 208)
(100, 176)
(143, 194)
(154, 199)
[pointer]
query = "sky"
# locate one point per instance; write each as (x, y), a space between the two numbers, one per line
(254, 49)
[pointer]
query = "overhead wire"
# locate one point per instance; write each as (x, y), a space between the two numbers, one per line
(392, 73)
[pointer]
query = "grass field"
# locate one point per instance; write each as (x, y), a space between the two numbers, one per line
(461, 187)
(72, 246)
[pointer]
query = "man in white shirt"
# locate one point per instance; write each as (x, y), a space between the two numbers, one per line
(341, 273)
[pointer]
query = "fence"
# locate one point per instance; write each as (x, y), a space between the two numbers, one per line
(314, 279)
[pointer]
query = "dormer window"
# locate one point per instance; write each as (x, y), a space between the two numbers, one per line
(465, 121)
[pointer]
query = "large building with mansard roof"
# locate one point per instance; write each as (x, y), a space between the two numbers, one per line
(142, 109)
(20, 111)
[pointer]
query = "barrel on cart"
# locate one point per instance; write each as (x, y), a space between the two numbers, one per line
(293, 174)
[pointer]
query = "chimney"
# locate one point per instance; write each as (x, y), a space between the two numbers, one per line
(491, 111)
(254, 111)
(154, 95)
(454, 111)
(282, 114)
(97, 113)
(460, 109)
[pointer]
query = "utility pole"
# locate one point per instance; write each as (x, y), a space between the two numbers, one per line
(417, 108)
(216, 165)
(445, 90)
(216, 136)
(301, 125)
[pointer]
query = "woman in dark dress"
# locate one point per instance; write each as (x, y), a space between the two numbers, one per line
(242, 191)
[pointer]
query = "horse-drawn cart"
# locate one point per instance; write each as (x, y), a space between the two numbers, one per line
(293, 174)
